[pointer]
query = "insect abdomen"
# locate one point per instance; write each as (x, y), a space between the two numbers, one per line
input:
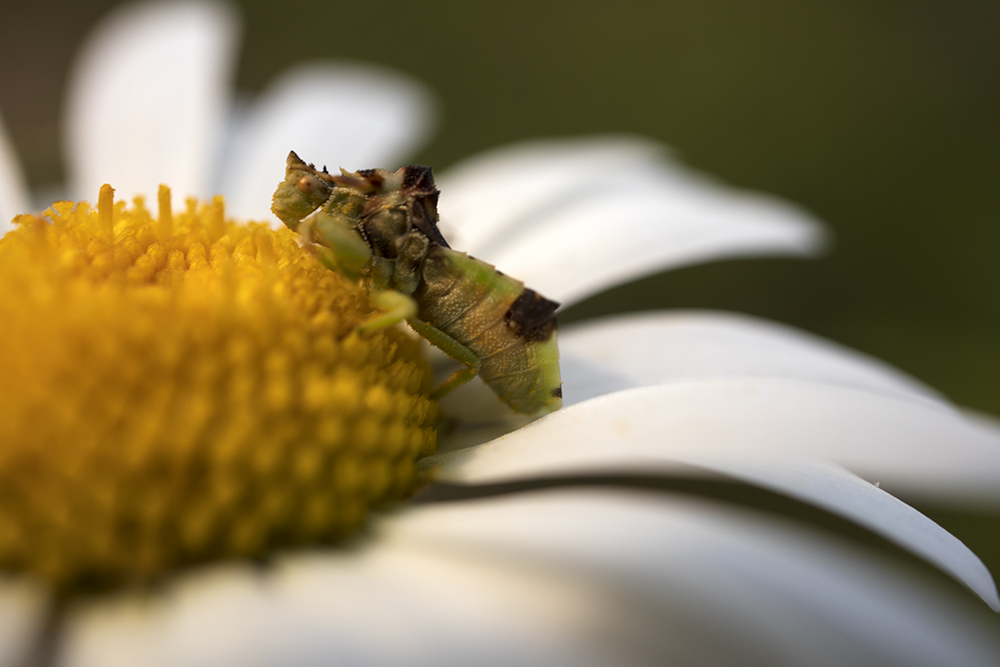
(526, 370)
(511, 329)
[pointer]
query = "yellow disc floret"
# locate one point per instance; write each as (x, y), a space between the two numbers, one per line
(182, 388)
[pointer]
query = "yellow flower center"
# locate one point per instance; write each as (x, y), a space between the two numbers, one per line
(182, 389)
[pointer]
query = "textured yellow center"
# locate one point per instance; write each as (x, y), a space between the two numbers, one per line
(181, 388)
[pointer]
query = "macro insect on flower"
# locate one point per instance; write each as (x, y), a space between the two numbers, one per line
(381, 227)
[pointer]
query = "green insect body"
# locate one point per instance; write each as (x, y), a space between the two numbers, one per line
(381, 227)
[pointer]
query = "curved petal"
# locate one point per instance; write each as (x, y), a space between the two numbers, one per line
(342, 114)
(148, 97)
(13, 193)
(838, 491)
(819, 483)
(477, 206)
(571, 218)
(23, 609)
(901, 444)
(550, 579)
(624, 352)
(604, 356)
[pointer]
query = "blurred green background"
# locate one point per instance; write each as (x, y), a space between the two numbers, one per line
(880, 116)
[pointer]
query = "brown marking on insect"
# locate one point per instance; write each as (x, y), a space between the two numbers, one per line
(422, 195)
(557, 392)
(418, 178)
(532, 316)
(424, 217)
(372, 176)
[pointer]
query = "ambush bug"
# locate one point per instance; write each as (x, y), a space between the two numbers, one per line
(381, 227)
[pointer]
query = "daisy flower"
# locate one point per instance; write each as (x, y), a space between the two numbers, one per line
(186, 406)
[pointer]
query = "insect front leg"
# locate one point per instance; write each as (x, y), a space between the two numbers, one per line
(396, 307)
(341, 248)
(453, 349)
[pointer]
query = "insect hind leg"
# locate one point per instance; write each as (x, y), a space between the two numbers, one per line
(453, 349)
(457, 379)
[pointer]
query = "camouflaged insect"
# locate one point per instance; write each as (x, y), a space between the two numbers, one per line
(381, 227)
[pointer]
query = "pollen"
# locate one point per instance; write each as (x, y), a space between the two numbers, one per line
(178, 388)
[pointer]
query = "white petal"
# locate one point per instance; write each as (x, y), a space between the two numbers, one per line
(819, 483)
(148, 97)
(381, 606)
(838, 491)
(499, 191)
(550, 579)
(656, 348)
(13, 193)
(23, 608)
(906, 446)
(625, 352)
(339, 114)
(572, 218)
(711, 553)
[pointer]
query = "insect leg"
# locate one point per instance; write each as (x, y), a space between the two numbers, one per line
(397, 307)
(453, 349)
(457, 379)
(341, 248)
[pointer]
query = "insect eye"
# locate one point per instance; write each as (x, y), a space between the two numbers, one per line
(310, 185)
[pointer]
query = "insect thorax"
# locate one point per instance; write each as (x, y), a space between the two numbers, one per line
(399, 223)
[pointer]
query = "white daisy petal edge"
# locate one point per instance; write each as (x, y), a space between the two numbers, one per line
(13, 192)
(908, 447)
(625, 352)
(597, 536)
(349, 115)
(573, 217)
(603, 356)
(555, 578)
(776, 433)
(838, 491)
(148, 98)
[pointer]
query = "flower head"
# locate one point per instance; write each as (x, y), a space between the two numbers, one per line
(182, 388)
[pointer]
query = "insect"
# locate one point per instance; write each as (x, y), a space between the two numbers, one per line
(381, 227)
